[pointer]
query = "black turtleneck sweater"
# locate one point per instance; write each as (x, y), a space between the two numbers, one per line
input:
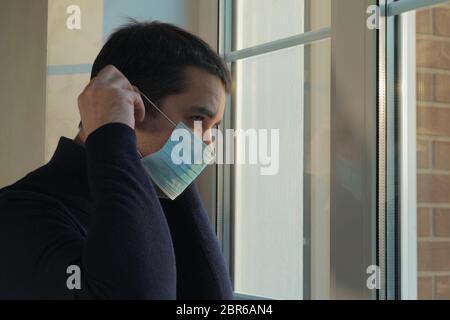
(94, 207)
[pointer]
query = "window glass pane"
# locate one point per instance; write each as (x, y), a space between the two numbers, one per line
(288, 91)
(433, 152)
(260, 21)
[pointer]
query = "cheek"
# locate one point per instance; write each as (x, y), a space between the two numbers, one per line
(158, 141)
(151, 142)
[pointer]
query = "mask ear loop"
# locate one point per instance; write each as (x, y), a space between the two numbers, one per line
(158, 109)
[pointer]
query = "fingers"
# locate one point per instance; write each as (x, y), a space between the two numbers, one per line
(110, 98)
(139, 106)
(112, 77)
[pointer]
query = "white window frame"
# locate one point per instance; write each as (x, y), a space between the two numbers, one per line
(389, 222)
(225, 172)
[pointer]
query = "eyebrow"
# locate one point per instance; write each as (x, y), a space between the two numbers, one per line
(205, 111)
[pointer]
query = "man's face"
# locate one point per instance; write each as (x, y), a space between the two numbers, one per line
(204, 101)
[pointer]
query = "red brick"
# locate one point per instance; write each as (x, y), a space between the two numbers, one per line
(423, 155)
(442, 85)
(424, 21)
(425, 288)
(433, 121)
(441, 155)
(433, 188)
(434, 256)
(433, 53)
(442, 21)
(423, 222)
(442, 288)
(442, 222)
(425, 85)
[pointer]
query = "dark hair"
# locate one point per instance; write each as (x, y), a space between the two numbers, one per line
(153, 56)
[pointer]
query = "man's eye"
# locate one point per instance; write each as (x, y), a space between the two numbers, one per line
(198, 118)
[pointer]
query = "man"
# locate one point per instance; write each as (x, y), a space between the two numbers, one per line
(93, 211)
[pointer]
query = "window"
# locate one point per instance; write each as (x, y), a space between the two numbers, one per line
(282, 68)
(343, 209)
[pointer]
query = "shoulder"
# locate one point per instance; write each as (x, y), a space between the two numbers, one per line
(15, 199)
(33, 230)
(22, 210)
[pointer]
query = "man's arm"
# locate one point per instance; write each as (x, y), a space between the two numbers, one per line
(126, 206)
(128, 253)
(129, 246)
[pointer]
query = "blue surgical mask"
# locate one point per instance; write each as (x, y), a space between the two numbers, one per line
(182, 159)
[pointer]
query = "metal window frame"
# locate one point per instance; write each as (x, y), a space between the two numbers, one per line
(294, 41)
(401, 6)
(388, 157)
(396, 252)
(224, 205)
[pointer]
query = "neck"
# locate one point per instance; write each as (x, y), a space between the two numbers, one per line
(80, 138)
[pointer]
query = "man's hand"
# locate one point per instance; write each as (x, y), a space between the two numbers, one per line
(110, 98)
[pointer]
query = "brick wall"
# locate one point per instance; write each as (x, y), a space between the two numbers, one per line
(433, 152)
